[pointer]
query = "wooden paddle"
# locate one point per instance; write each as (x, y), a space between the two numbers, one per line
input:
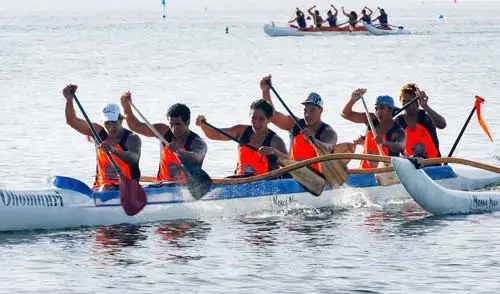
(198, 181)
(132, 195)
(335, 172)
(311, 180)
(384, 179)
(369, 157)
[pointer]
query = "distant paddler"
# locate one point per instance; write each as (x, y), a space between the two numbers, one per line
(300, 18)
(182, 142)
(391, 136)
(123, 145)
(382, 18)
(366, 16)
(352, 18)
(317, 19)
(270, 146)
(301, 147)
(332, 17)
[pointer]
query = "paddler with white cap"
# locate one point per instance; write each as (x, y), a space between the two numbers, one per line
(124, 146)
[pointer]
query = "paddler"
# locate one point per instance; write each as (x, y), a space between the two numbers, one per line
(352, 18)
(366, 17)
(257, 134)
(382, 18)
(317, 19)
(390, 134)
(332, 17)
(124, 146)
(299, 18)
(420, 124)
(183, 143)
(301, 147)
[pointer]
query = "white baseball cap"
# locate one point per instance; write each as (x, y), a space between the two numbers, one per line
(111, 112)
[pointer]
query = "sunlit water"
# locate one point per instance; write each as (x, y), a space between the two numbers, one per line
(108, 47)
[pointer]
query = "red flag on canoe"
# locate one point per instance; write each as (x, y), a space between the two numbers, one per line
(480, 101)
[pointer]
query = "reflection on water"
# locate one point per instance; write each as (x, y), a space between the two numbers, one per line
(261, 231)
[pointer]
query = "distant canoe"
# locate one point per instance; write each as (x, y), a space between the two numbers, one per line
(380, 31)
(292, 30)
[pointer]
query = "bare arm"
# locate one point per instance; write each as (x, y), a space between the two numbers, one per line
(349, 114)
(197, 153)
(370, 11)
(134, 124)
(438, 120)
(310, 10)
(80, 125)
(397, 141)
(133, 153)
(327, 139)
(235, 131)
(281, 120)
(343, 11)
(280, 149)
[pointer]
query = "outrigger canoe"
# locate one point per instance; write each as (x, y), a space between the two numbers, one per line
(439, 200)
(380, 31)
(70, 203)
(292, 30)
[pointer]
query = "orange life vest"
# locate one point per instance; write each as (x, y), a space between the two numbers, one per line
(423, 137)
(252, 162)
(301, 149)
(170, 168)
(371, 146)
(106, 173)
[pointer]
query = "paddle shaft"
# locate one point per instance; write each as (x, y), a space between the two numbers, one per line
(398, 111)
(253, 148)
(95, 135)
(462, 131)
(372, 127)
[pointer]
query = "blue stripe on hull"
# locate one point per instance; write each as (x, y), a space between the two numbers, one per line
(262, 188)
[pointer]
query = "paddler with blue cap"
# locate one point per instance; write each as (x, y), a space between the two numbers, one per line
(391, 136)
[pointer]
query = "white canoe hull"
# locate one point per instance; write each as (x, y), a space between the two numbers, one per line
(73, 205)
(377, 31)
(439, 200)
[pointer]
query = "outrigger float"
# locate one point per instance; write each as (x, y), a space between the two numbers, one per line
(70, 203)
(439, 200)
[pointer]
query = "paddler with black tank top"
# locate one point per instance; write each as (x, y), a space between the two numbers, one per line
(123, 145)
(391, 136)
(183, 143)
(301, 147)
(270, 145)
(420, 124)
(352, 18)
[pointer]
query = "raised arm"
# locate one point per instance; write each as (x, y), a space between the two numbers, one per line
(281, 120)
(369, 10)
(310, 11)
(80, 125)
(134, 124)
(438, 120)
(343, 12)
(334, 9)
(349, 114)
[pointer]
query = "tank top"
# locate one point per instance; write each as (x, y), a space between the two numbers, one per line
(170, 168)
(301, 149)
(105, 172)
(252, 162)
(423, 138)
(371, 146)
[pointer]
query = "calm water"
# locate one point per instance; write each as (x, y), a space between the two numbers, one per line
(108, 47)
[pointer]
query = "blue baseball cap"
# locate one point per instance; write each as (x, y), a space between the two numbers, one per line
(314, 99)
(385, 100)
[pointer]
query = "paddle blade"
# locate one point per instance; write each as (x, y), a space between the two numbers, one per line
(386, 179)
(132, 196)
(198, 183)
(312, 181)
(335, 171)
